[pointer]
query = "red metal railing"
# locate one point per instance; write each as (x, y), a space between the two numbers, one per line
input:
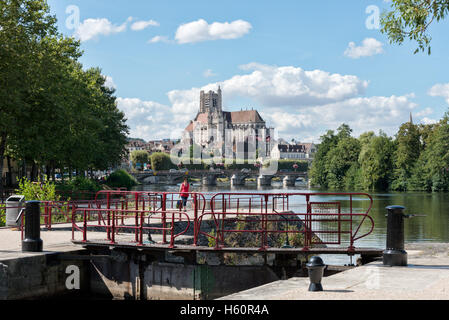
(138, 229)
(319, 218)
(321, 222)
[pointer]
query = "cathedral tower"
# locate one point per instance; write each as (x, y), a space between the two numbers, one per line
(211, 102)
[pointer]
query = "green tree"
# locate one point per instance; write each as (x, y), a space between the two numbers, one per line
(121, 179)
(432, 169)
(408, 149)
(53, 113)
(376, 161)
(340, 159)
(334, 156)
(24, 24)
(411, 19)
(318, 173)
(161, 161)
(139, 156)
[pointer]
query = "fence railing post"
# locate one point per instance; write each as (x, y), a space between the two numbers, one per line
(195, 221)
(164, 222)
(32, 241)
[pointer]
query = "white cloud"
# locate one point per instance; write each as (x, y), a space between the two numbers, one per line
(110, 83)
(425, 112)
(141, 25)
(426, 120)
(278, 86)
(157, 39)
(149, 119)
(200, 30)
(92, 28)
(209, 73)
(299, 104)
(361, 114)
(369, 47)
(440, 90)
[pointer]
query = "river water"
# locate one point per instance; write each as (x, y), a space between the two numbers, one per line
(432, 227)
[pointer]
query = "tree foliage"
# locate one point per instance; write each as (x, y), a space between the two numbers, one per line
(53, 113)
(410, 19)
(139, 156)
(417, 158)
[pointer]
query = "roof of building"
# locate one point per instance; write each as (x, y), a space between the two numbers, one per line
(299, 147)
(247, 116)
(135, 143)
(308, 147)
(202, 117)
(243, 116)
(189, 128)
(292, 148)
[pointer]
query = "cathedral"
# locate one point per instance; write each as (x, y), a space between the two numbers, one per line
(233, 134)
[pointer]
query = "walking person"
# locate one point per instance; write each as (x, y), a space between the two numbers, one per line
(184, 190)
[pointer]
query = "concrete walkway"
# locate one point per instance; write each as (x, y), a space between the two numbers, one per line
(425, 278)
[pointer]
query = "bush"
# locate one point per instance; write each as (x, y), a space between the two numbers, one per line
(78, 188)
(161, 161)
(42, 191)
(2, 215)
(141, 157)
(121, 179)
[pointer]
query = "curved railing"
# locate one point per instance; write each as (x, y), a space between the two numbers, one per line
(321, 222)
(320, 219)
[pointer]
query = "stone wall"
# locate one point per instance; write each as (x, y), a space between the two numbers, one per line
(37, 276)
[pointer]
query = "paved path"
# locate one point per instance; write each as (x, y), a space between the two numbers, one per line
(425, 278)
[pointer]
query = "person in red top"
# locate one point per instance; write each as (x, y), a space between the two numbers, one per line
(184, 191)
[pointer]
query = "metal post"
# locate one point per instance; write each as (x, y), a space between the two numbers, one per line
(315, 269)
(395, 255)
(195, 221)
(32, 241)
(164, 209)
(108, 205)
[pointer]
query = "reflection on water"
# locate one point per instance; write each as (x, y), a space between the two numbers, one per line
(434, 227)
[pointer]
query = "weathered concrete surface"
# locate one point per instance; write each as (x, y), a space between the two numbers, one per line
(425, 278)
(140, 276)
(38, 275)
(264, 180)
(43, 274)
(11, 241)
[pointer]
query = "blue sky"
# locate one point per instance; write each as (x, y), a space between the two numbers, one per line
(291, 60)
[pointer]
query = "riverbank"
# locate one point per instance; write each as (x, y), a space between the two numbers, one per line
(425, 278)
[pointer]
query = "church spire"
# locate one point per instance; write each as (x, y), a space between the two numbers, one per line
(411, 118)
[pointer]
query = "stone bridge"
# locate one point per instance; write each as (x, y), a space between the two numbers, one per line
(209, 177)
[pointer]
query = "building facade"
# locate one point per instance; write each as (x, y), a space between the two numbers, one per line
(297, 151)
(230, 133)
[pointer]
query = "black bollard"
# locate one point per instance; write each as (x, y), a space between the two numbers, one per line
(316, 271)
(32, 241)
(395, 255)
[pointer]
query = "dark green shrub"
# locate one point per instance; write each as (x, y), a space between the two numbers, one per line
(287, 164)
(43, 191)
(161, 161)
(79, 188)
(121, 179)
